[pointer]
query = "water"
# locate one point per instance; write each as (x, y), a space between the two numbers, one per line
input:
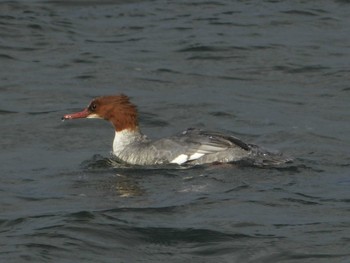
(276, 73)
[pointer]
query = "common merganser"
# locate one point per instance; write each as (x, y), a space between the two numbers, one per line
(190, 147)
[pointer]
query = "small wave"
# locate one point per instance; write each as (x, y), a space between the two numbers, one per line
(202, 48)
(5, 56)
(300, 12)
(99, 162)
(301, 69)
(165, 235)
(3, 112)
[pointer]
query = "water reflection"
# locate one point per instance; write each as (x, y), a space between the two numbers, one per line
(125, 186)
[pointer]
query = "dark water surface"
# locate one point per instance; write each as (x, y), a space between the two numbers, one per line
(276, 73)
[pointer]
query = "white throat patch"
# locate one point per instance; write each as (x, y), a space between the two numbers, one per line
(93, 116)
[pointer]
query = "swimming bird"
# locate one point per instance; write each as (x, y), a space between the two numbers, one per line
(189, 147)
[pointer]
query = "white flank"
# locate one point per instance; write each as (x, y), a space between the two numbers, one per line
(182, 158)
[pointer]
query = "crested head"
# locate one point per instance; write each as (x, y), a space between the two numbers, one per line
(117, 109)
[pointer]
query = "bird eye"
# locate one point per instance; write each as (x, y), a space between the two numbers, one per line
(92, 107)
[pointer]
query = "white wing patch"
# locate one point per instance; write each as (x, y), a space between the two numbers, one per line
(196, 156)
(182, 158)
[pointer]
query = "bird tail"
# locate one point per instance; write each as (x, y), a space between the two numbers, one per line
(265, 158)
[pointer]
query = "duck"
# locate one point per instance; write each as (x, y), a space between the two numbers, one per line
(189, 147)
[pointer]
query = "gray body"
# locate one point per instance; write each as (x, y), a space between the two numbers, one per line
(191, 147)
